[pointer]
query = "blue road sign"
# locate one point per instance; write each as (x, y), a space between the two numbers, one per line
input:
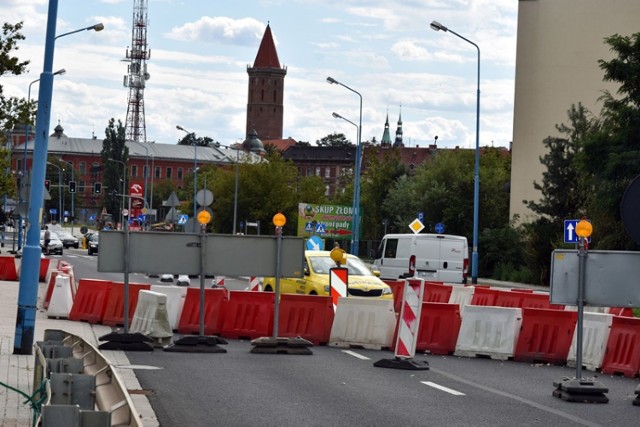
(570, 235)
(321, 228)
(439, 228)
(182, 219)
(53, 211)
(308, 227)
(421, 217)
(92, 218)
(315, 243)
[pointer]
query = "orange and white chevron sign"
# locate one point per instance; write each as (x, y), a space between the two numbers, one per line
(338, 281)
(409, 319)
(255, 284)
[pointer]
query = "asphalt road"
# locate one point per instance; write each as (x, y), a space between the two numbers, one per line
(337, 386)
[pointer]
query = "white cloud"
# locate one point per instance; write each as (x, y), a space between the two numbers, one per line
(245, 31)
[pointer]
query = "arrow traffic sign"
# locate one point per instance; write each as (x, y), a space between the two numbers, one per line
(570, 235)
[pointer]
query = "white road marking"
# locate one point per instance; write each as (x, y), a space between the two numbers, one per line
(443, 388)
(354, 354)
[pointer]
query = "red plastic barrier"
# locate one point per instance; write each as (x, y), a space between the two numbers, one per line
(248, 315)
(484, 296)
(507, 299)
(8, 268)
(90, 301)
(621, 311)
(439, 327)
(623, 348)
(545, 335)
(524, 291)
(539, 301)
(44, 268)
(436, 292)
(114, 310)
(306, 316)
(397, 287)
(50, 286)
(215, 301)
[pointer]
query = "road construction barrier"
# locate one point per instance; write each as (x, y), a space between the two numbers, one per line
(397, 287)
(51, 284)
(306, 316)
(111, 403)
(489, 331)
(61, 298)
(621, 311)
(439, 328)
(484, 296)
(90, 301)
(623, 347)
(255, 283)
(338, 284)
(248, 315)
(545, 335)
(363, 322)
(461, 295)
(8, 268)
(595, 334)
(151, 317)
(68, 270)
(114, 308)
(436, 292)
(215, 302)
(44, 269)
(175, 302)
(409, 320)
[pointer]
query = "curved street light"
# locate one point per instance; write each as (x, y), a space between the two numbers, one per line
(28, 293)
(436, 26)
(195, 167)
(356, 180)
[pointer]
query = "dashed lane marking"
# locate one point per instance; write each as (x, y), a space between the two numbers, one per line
(357, 355)
(443, 388)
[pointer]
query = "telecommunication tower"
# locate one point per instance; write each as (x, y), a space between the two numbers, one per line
(137, 55)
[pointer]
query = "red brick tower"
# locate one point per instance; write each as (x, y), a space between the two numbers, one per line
(266, 90)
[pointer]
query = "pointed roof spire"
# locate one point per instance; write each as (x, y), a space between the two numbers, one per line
(398, 142)
(386, 137)
(267, 56)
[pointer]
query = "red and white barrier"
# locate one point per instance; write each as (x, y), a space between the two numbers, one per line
(595, 334)
(61, 298)
(365, 322)
(489, 331)
(255, 284)
(409, 319)
(339, 282)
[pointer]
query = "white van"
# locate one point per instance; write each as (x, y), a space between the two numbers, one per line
(436, 257)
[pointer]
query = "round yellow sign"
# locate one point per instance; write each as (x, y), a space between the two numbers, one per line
(204, 217)
(279, 220)
(584, 228)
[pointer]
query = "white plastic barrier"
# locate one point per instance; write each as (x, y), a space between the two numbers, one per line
(595, 334)
(151, 317)
(61, 297)
(489, 331)
(461, 295)
(363, 322)
(588, 309)
(175, 302)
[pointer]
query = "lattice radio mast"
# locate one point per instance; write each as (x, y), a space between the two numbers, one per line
(137, 55)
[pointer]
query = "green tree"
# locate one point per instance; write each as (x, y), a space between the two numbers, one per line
(334, 140)
(200, 141)
(114, 153)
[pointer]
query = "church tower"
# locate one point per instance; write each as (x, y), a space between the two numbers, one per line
(398, 142)
(386, 137)
(265, 108)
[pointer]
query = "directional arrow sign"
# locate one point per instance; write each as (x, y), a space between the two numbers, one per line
(570, 235)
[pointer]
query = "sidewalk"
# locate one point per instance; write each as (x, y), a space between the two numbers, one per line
(17, 370)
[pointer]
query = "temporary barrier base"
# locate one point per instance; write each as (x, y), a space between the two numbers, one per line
(580, 390)
(398, 363)
(125, 342)
(636, 401)
(281, 345)
(197, 344)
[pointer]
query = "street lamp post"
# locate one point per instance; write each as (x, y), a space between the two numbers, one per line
(124, 186)
(59, 189)
(338, 116)
(356, 181)
(146, 168)
(28, 293)
(195, 167)
(235, 191)
(436, 26)
(24, 158)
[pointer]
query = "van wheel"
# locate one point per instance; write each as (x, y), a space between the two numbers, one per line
(268, 288)
(313, 293)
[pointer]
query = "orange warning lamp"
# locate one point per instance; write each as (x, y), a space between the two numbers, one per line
(338, 255)
(279, 220)
(204, 217)
(584, 228)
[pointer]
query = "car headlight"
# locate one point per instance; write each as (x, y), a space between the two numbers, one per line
(386, 291)
(327, 288)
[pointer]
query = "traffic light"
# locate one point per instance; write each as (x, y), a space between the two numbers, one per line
(97, 187)
(72, 186)
(47, 184)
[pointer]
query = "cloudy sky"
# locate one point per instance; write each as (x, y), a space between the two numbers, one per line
(200, 50)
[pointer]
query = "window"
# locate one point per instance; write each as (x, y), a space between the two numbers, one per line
(158, 172)
(327, 172)
(318, 173)
(145, 171)
(82, 168)
(81, 186)
(134, 170)
(19, 164)
(309, 171)
(169, 172)
(391, 248)
(180, 173)
(262, 95)
(326, 190)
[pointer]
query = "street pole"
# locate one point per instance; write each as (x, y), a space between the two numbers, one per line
(235, 193)
(72, 194)
(59, 190)
(146, 168)
(195, 167)
(436, 26)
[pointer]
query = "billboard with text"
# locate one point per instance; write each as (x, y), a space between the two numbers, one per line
(326, 221)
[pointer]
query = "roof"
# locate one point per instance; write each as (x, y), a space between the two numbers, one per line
(308, 152)
(280, 144)
(267, 56)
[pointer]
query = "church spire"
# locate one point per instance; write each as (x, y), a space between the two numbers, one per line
(386, 137)
(398, 142)
(267, 56)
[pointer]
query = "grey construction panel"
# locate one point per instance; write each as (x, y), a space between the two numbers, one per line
(179, 253)
(611, 278)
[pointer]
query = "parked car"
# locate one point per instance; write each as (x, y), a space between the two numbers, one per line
(183, 280)
(92, 243)
(68, 240)
(55, 244)
(166, 278)
(362, 281)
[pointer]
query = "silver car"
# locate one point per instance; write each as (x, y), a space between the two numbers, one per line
(55, 244)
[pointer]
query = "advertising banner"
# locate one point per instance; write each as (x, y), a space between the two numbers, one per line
(326, 221)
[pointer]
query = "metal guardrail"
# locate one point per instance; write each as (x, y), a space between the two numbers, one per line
(54, 358)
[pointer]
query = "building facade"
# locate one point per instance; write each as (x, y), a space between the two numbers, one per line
(558, 48)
